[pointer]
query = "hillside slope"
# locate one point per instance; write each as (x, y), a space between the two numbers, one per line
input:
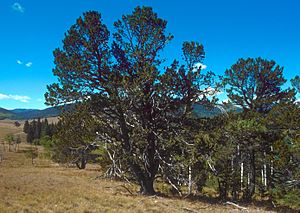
(26, 114)
(47, 187)
(6, 114)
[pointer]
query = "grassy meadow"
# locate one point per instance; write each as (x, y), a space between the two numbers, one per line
(48, 187)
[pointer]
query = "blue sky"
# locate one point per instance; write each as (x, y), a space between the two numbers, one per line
(231, 29)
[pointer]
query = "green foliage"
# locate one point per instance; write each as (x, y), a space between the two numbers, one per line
(255, 84)
(9, 138)
(75, 134)
(135, 103)
(102, 157)
(38, 129)
(290, 198)
(47, 143)
(30, 135)
(26, 127)
(296, 83)
(141, 115)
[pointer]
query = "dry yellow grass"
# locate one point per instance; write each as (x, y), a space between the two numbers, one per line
(48, 187)
(7, 126)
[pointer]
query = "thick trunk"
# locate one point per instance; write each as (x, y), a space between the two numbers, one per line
(147, 186)
(150, 166)
(81, 163)
(144, 176)
(144, 172)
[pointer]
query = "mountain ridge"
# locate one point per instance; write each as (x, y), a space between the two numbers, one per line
(26, 114)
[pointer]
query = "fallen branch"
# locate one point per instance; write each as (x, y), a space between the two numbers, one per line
(236, 205)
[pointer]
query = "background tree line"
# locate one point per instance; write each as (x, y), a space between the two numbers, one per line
(37, 130)
(139, 116)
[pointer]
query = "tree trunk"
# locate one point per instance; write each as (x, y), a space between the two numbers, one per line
(147, 186)
(223, 188)
(81, 163)
(252, 175)
(150, 166)
(190, 179)
(242, 176)
(144, 174)
(250, 189)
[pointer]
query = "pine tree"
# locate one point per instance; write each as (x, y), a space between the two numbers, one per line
(45, 128)
(138, 105)
(296, 83)
(26, 127)
(255, 84)
(30, 134)
(37, 129)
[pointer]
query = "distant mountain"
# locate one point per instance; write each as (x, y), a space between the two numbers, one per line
(4, 113)
(32, 114)
(24, 114)
(208, 112)
(21, 110)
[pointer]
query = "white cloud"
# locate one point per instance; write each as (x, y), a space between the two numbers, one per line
(199, 65)
(23, 99)
(3, 96)
(40, 100)
(29, 64)
(18, 7)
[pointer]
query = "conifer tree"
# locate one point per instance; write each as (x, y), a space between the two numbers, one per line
(30, 134)
(255, 84)
(136, 103)
(37, 129)
(26, 127)
(296, 83)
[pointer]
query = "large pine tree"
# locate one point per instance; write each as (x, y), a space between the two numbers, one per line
(138, 105)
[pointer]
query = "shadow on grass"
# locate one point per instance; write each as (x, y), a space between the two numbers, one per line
(266, 205)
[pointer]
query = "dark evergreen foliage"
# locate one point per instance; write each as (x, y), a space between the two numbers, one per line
(36, 130)
(136, 103)
(141, 118)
